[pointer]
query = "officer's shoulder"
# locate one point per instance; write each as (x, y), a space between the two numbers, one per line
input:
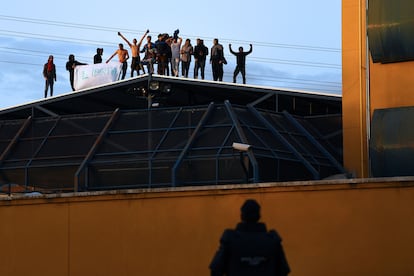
(228, 234)
(274, 235)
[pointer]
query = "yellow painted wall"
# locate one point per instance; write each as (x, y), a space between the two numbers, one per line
(354, 112)
(390, 86)
(347, 227)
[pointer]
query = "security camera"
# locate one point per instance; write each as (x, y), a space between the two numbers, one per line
(241, 147)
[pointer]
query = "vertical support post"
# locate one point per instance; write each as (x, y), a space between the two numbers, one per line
(243, 139)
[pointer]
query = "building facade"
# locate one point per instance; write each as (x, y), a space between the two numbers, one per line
(377, 78)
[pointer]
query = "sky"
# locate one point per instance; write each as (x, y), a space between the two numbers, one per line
(296, 43)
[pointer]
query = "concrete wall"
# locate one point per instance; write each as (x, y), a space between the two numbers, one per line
(352, 227)
(366, 87)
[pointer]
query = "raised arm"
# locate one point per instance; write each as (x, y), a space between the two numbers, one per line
(251, 49)
(142, 38)
(79, 63)
(112, 56)
(231, 51)
(124, 38)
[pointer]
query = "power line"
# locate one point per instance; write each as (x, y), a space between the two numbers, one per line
(56, 38)
(64, 24)
(22, 51)
(111, 29)
(259, 59)
(253, 59)
(27, 52)
(107, 29)
(335, 86)
(299, 63)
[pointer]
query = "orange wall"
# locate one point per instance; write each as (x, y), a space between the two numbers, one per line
(390, 86)
(354, 112)
(339, 228)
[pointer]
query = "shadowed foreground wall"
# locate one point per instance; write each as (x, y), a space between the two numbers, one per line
(342, 227)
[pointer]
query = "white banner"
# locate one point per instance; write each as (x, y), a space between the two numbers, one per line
(96, 74)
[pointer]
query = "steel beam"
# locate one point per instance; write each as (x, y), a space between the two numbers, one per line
(312, 139)
(94, 147)
(190, 142)
(285, 142)
(243, 139)
(16, 137)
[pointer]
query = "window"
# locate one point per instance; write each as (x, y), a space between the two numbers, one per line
(391, 30)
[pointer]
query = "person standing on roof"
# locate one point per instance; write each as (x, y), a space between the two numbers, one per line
(150, 55)
(49, 73)
(241, 62)
(163, 53)
(186, 52)
(135, 47)
(70, 66)
(98, 57)
(217, 60)
(200, 55)
(175, 54)
(123, 56)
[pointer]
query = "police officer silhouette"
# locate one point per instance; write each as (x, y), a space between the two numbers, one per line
(250, 249)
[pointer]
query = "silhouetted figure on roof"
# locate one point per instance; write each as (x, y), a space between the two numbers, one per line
(163, 53)
(217, 60)
(70, 66)
(98, 57)
(200, 56)
(250, 250)
(49, 73)
(241, 62)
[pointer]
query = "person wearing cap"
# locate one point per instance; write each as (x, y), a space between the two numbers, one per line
(49, 73)
(250, 249)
